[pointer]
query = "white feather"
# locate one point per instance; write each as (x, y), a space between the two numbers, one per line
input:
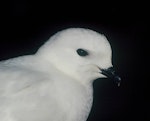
(55, 84)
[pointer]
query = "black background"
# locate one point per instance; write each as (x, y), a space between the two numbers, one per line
(26, 25)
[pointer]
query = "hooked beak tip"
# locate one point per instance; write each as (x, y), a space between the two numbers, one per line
(110, 73)
(117, 80)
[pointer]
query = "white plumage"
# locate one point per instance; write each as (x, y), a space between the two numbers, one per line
(55, 84)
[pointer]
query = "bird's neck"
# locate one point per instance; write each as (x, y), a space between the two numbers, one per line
(81, 100)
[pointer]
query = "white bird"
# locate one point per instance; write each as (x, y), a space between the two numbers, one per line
(55, 84)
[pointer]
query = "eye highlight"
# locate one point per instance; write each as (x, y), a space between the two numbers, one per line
(82, 52)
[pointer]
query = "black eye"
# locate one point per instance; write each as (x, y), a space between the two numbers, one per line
(82, 52)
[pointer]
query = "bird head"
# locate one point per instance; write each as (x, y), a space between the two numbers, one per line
(82, 54)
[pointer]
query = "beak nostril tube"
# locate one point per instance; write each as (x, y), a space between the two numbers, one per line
(110, 73)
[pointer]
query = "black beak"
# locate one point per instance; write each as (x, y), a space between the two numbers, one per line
(110, 73)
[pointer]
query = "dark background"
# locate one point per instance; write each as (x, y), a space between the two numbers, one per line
(26, 25)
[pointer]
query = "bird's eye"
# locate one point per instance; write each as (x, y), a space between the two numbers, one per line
(82, 52)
